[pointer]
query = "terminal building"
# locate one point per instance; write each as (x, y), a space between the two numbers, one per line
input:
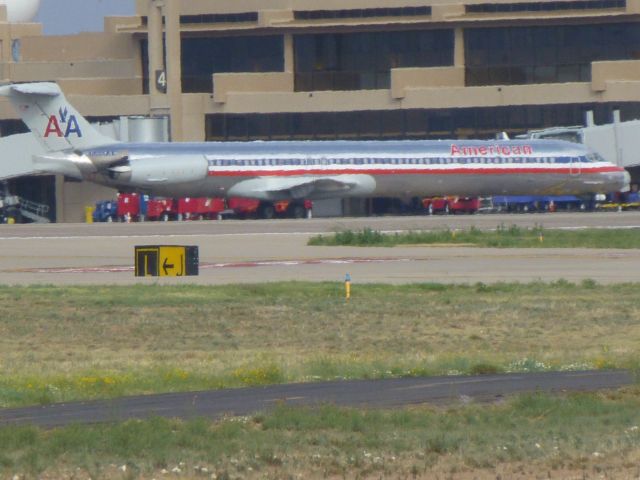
(242, 70)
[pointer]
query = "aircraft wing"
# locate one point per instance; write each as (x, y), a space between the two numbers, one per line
(303, 187)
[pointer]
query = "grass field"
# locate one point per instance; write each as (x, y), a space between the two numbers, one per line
(534, 436)
(501, 237)
(59, 344)
(63, 343)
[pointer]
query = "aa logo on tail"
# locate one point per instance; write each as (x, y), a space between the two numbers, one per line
(56, 124)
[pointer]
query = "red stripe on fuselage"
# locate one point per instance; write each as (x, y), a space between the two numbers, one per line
(424, 171)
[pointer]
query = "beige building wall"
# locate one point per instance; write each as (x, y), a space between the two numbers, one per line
(72, 198)
(109, 65)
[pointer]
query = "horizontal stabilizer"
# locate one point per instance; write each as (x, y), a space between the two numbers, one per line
(45, 88)
(17, 155)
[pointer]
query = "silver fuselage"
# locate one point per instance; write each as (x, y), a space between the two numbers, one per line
(324, 169)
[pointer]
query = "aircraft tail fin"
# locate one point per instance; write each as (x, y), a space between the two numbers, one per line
(52, 120)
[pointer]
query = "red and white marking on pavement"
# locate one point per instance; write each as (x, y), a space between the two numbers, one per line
(206, 266)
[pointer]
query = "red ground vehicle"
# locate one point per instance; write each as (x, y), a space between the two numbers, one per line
(200, 208)
(247, 207)
(448, 205)
(243, 207)
(161, 209)
(133, 207)
(128, 206)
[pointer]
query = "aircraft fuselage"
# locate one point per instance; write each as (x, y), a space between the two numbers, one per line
(324, 169)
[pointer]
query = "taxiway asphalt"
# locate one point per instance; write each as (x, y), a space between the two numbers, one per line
(250, 251)
(358, 393)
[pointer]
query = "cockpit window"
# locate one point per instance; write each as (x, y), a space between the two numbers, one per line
(594, 157)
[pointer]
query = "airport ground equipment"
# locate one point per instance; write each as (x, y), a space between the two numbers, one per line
(131, 207)
(541, 203)
(105, 211)
(449, 204)
(14, 209)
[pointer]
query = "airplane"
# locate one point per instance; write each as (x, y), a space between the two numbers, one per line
(271, 171)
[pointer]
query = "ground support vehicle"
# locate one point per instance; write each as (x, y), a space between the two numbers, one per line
(567, 203)
(246, 207)
(105, 211)
(448, 205)
(540, 203)
(619, 202)
(10, 211)
(128, 207)
(520, 203)
(161, 209)
(200, 208)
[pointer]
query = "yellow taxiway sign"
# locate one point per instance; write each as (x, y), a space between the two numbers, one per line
(166, 261)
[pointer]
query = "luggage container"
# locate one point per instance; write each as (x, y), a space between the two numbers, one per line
(199, 208)
(209, 208)
(128, 206)
(161, 209)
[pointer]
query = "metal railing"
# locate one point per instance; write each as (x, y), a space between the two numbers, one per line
(35, 211)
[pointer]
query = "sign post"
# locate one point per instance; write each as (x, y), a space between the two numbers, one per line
(347, 286)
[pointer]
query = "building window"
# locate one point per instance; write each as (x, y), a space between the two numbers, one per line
(202, 57)
(144, 57)
(408, 124)
(211, 18)
(553, 54)
(219, 18)
(544, 6)
(362, 13)
(362, 61)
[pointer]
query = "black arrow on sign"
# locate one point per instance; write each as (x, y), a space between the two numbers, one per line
(166, 266)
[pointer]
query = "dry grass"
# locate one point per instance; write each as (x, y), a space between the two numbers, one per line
(83, 342)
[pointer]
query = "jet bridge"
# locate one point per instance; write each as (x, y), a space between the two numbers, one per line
(617, 142)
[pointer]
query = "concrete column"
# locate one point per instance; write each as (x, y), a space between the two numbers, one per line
(174, 67)
(60, 211)
(458, 48)
(155, 42)
(6, 71)
(289, 65)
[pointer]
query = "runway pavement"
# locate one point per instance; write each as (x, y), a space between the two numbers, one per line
(360, 393)
(233, 251)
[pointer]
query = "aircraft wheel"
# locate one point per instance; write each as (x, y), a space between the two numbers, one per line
(296, 211)
(267, 211)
